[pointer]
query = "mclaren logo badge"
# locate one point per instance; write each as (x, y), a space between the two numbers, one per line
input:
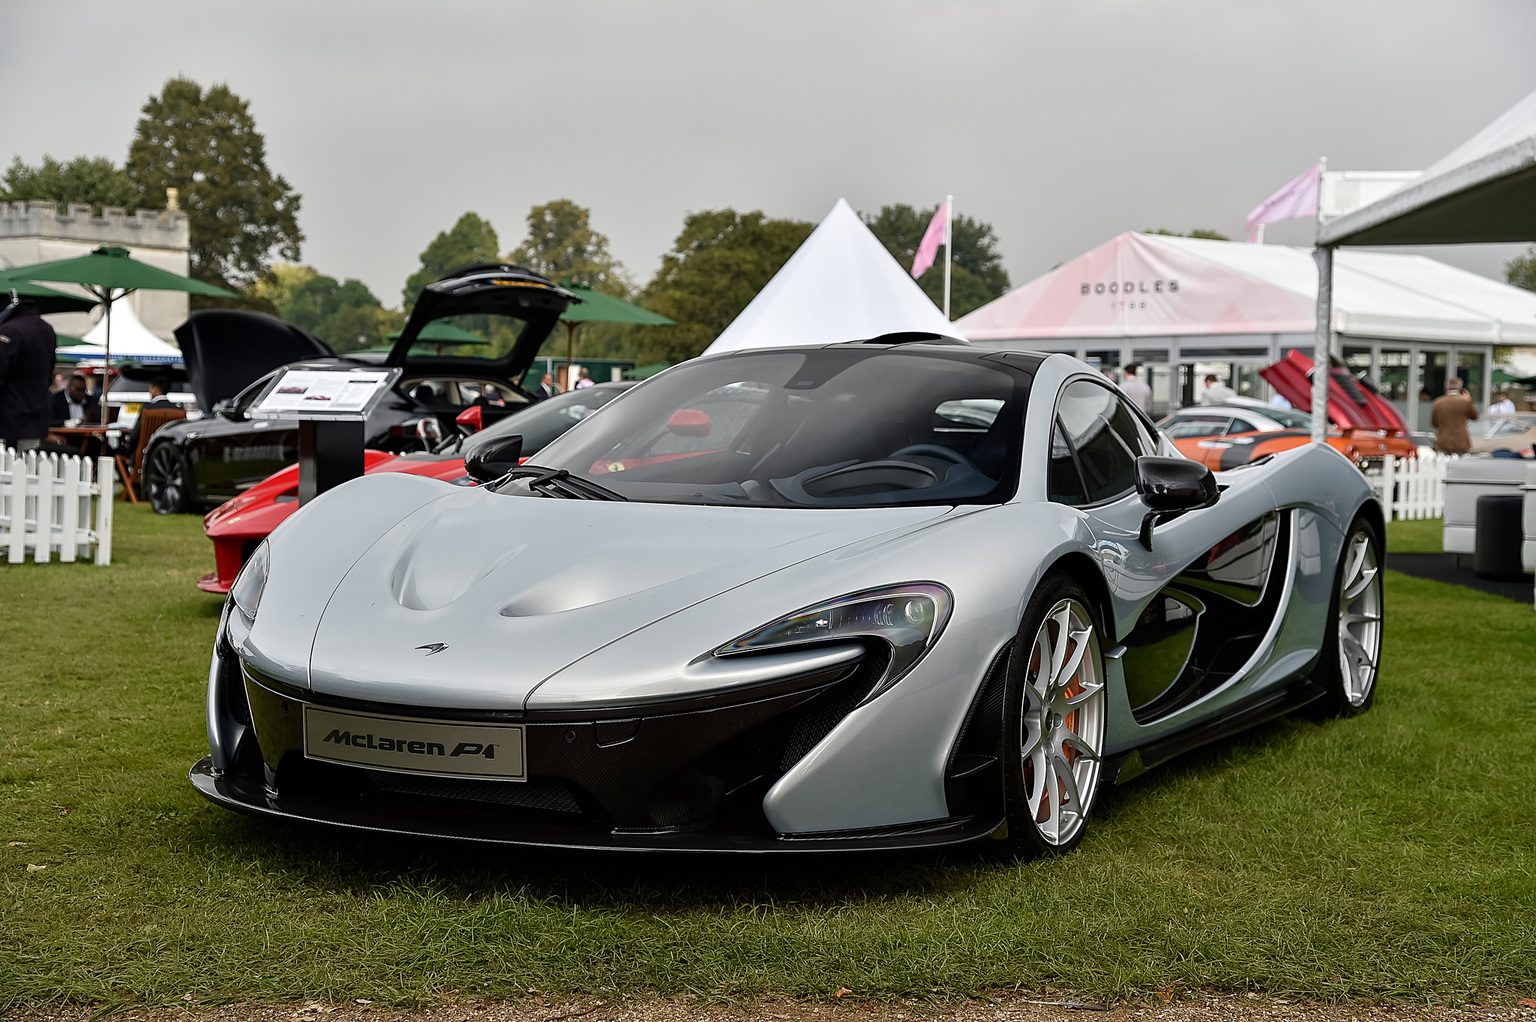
(434, 647)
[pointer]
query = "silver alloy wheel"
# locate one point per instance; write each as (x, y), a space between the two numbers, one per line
(1062, 724)
(1359, 619)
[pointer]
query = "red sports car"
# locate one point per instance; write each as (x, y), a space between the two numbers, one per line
(238, 526)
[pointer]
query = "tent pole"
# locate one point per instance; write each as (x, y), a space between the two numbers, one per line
(1321, 365)
(106, 370)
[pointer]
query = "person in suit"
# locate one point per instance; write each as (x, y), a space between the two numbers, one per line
(27, 348)
(546, 388)
(159, 387)
(75, 402)
(1449, 416)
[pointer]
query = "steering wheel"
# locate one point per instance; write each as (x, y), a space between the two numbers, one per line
(935, 451)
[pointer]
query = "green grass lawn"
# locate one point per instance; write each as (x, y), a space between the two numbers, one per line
(1421, 536)
(1388, 856)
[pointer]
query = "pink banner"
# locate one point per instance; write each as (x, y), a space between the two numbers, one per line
(1297, 199)
(928, 250)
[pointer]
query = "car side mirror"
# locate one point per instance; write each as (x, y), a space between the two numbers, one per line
(495, 459)
(226, 410)
(689, 422)
(1170, 487)
(471, 418)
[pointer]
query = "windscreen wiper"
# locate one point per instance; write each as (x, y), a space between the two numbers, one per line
(558, 482)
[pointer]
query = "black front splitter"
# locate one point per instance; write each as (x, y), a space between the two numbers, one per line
(247, 796)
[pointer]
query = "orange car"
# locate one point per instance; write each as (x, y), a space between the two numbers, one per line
(1366, 428)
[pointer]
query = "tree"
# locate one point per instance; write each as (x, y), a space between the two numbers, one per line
(274, 290)
(345, 315)
(562, 245)
(96, 180)
(470, 241)
(206, 145)
(1521, 270)
(718, 264)
(1198, 232)
(976, 273)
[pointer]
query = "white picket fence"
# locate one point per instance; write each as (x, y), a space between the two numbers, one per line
(1412, 487)
(49, 503)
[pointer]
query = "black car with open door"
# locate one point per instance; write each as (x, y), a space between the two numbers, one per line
(495, 317)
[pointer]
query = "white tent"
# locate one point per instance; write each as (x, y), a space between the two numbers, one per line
(131, 340)
(841, 285)
(1149, 285)
(1484, 190)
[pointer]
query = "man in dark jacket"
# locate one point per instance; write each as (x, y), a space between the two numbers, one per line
(158, 388)
(75, 403)
(27, 349)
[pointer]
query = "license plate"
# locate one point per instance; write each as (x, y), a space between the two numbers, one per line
(443, 748)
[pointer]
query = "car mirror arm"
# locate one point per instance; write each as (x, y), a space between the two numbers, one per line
(1170, 487)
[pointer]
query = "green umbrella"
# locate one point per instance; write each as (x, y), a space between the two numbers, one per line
(646, 372)
(45, 298)
(596, 307)
(110, 273)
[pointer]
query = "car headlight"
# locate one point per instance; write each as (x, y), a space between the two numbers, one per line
(907, 618)
(246, 592)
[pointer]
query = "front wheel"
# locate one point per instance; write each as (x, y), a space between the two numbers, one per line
(1054, 715)
(1351, 653)
(165, 479)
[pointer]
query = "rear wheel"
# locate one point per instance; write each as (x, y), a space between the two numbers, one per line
(1352, 643)
(1054, 712)
(165, 479)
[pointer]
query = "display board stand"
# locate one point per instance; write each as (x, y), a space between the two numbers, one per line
(331, 404)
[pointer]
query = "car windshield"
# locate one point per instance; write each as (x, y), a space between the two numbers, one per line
(829, 427)
(1290, 418)
(547, 419)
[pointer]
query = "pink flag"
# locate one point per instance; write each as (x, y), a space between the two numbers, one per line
(928, 250)
(1296, 199)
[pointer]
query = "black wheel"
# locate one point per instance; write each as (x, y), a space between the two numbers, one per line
(1053, 721)
(165, 479)
(1351, 654)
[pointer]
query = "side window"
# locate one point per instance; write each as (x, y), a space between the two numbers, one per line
(1185, 426)
(1242, 426)
(1106, 436)
(247, 397)
(1063, 484)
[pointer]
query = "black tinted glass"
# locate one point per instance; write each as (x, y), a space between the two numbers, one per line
(545, 421)
(1104, 433)
(1063, 482)
(835, 427)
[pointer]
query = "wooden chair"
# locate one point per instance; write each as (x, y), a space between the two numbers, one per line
(150, 419)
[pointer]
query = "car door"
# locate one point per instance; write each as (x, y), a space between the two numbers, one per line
(233, 452)
(1200, 582)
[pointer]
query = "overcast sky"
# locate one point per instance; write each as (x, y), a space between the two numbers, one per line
(1061, 123)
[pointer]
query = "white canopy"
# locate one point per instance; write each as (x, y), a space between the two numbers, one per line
(130, 339)
(841, 285)
(1150, 285)
(1483, 190)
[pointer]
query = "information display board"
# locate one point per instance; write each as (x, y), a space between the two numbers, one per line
(343, 393)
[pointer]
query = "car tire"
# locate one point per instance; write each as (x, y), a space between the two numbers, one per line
(1054, 716)
(1351, 656)
(165, 480)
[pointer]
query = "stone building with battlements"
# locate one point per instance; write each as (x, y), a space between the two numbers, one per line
(36, 232)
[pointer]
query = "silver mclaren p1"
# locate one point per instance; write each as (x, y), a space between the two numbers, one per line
(891, 593)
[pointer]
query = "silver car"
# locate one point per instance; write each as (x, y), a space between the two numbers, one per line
(883, 594)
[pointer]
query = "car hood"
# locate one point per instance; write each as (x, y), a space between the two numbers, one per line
(226, 350)
(1350, 404)
(513, 589)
